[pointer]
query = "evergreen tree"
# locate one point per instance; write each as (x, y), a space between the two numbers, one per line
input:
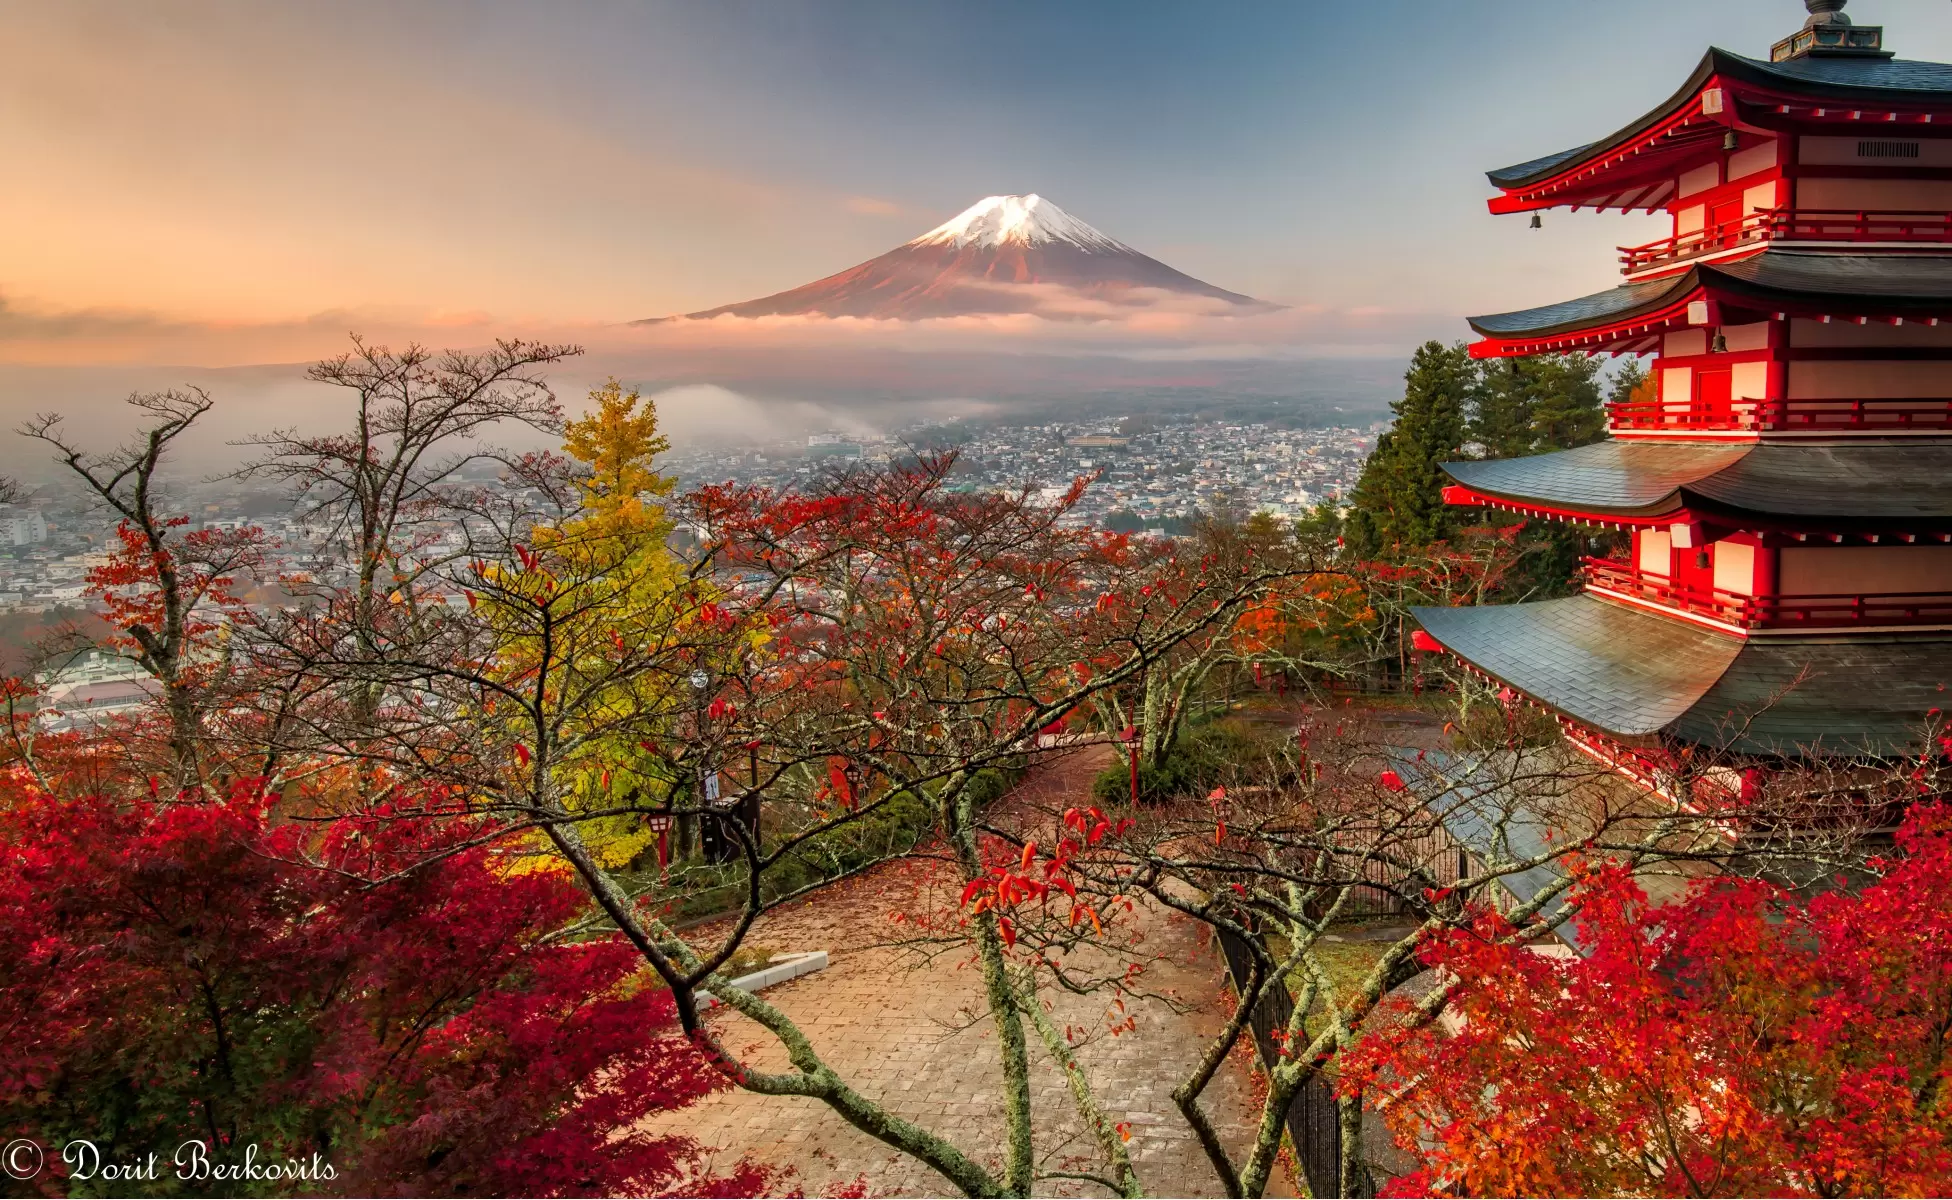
(1631, 384)
(1399, 498)
(1526, 406)
(1567, 409)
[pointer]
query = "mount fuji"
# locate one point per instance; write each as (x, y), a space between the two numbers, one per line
(1003, 254)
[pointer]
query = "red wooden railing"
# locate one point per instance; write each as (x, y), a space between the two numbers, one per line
(1773, 612)
(1784, 224)
(1827, 415)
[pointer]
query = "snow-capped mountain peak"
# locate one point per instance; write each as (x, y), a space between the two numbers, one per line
(1001, 255)
(1017, 220)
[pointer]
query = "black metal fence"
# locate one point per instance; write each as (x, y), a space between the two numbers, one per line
(1314, 1128)
(1439, 859)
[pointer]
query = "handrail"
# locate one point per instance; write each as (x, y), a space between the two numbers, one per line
(1787, 224)
(1773, 612)
(1826, 415)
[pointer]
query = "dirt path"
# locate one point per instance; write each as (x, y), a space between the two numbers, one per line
(904, 1029)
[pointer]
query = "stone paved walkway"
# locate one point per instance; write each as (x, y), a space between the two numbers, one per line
(902, 1029)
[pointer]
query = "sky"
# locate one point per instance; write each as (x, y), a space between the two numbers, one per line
(224, 183)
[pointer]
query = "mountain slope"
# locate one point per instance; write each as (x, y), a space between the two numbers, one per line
(1004, 254)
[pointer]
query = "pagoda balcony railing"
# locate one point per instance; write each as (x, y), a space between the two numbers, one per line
(1788, 225)
(1826, 611)
(1826, 416)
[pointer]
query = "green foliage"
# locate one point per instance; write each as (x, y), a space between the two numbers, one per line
(1504, 409)
(904, 821)
(1399, 498)
(1630, 383)
(1204, 757)
(1531, 405)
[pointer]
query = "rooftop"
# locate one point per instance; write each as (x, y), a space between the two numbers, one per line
(1891, 483)
(1636, 675)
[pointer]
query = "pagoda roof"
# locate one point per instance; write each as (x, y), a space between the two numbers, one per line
(1636, 675)
(1803, 282)
(1856, 482)
(1641, 159)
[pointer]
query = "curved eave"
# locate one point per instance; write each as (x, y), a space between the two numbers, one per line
(1849, 487)
(1627, 318)
(1626, 672)
(1532, 184)
(1621, 170)
(1630, 318)
(1637, 676)
(1584, 514)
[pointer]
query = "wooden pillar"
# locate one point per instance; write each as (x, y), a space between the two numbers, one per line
(1775, 389)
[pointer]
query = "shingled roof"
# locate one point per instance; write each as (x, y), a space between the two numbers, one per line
(1836, 484)
(1866, 80)
(1636, 675)
(1879, 285)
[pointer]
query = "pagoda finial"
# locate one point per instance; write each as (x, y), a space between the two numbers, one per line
(1825, 12)
(1828, 32)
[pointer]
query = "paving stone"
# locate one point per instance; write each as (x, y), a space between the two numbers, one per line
(898, 1027)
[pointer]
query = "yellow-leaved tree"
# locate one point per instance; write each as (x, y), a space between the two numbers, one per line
(616, 600)
(622, 535)
(618, 441)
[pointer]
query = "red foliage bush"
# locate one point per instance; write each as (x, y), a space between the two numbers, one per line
(204, 971)
(1737, 1042)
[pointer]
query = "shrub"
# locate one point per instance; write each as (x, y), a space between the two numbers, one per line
(1205, 757)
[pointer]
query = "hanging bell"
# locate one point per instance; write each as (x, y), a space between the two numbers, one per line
(1718, 344)
(1730, 142)
(1536, 222)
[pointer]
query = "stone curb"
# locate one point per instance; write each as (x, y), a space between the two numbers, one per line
(783, 968)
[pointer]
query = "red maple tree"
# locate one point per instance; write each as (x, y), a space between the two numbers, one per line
(1736, 1042)
(209, 971)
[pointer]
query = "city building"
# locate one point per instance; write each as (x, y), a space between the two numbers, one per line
(92, 690)
(1788, 484)
(22, 527)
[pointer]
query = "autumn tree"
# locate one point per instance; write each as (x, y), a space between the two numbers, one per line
(1737, 1041)
(166, 589)
(388, 494)
(1338, 821)
(874, 641)
(218, 973)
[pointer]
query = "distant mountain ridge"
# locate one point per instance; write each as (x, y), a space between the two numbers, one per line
(1003, 254)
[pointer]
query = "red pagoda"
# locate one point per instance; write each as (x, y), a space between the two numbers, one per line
(1788, 486)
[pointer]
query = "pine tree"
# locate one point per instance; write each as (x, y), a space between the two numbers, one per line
(1399, 499)
(1526, 406)
(1631, 384)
